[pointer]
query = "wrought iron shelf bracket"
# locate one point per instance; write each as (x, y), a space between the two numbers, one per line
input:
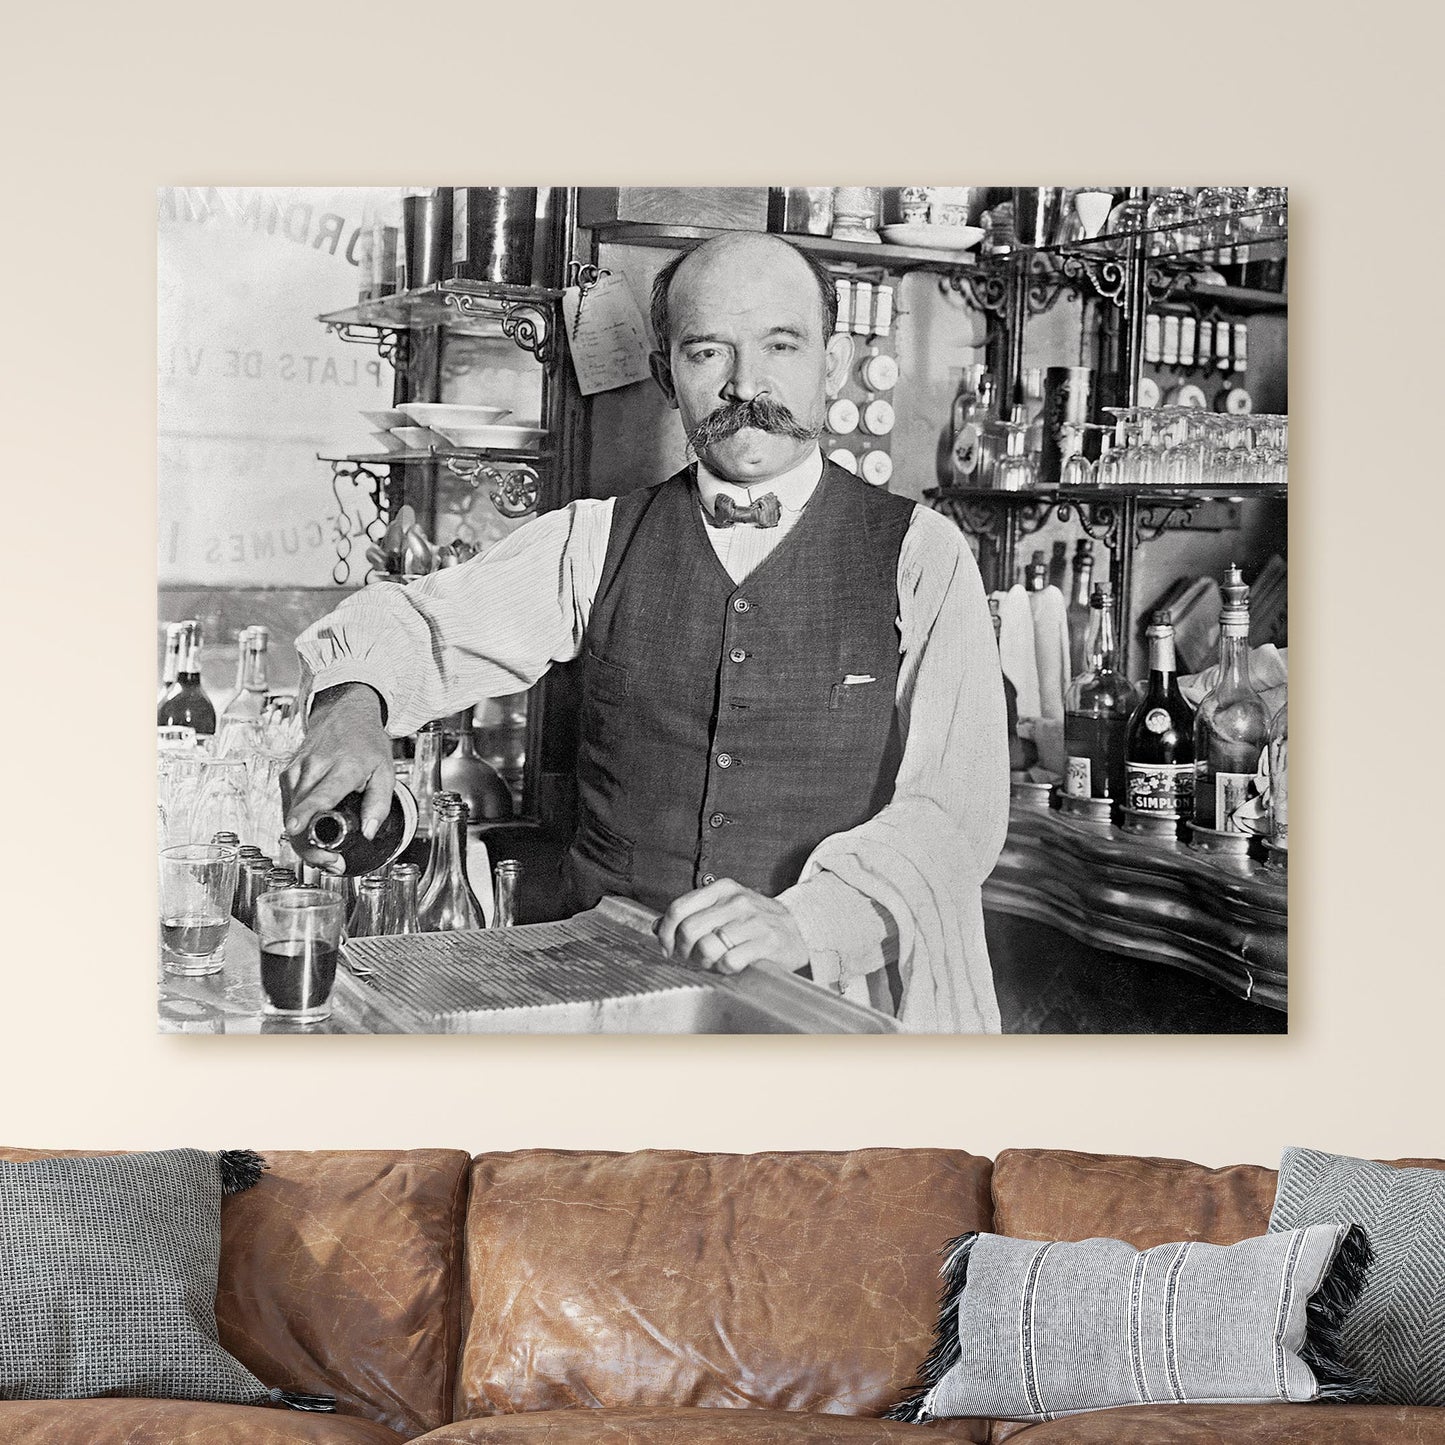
(1104, 275)
(985, 288)
(1100, 520)
(390, 345)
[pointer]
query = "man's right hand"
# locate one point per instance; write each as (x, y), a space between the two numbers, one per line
(346, 750)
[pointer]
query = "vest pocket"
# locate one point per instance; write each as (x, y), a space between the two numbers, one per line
(599, 845)
(856, 697)
(605, 681)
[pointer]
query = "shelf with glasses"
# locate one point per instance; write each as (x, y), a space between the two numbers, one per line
(884, 254)
(526, 315)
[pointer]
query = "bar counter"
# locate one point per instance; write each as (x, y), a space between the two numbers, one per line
(1153, 899)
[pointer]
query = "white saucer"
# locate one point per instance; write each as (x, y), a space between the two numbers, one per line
(935, 238)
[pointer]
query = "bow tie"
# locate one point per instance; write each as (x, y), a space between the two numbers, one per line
(763, 512)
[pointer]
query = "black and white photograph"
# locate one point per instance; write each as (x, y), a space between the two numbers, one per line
(736, 610)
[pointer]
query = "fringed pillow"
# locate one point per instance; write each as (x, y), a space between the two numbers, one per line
(1032, 1331)
(108, 1279)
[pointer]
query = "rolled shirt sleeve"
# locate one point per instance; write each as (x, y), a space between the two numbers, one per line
(489, 627)
(955, 755)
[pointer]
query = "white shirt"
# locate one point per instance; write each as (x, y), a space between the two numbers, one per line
(905, 884)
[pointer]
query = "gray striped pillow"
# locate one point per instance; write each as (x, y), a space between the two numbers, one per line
(1032, 1331)
(1396, 1334)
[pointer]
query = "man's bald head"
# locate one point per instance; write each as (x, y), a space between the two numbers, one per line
(741, 253)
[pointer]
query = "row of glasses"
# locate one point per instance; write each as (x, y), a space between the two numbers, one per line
(1177, 448)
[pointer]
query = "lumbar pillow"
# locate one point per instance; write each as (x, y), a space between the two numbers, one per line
(108, 1279)
(1396, 1333)
(1030, 1330)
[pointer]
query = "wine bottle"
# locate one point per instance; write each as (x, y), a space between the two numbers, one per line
(1059, 565)
(368, 918)
(247, 701)
(1096, 710)
(401, 914)
(175, 636)
(1078, 613)
(449, 903)
(1036, 574)
(1231, 728)
(186, 704)
(1159, 746)
(338, 830)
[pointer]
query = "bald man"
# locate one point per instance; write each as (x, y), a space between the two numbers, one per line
(792, 725)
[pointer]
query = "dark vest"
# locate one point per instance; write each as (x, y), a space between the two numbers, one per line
(719, 738)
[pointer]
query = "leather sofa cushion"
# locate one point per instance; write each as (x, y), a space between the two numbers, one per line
(1250, 1424)
(583, 1426)
(168, 1422)
(792, 1281)
(1060, 1194)
(341, 1275)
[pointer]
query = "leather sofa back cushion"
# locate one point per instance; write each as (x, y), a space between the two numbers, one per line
(1060, 1194)
(804, 1281)
(341, 1274)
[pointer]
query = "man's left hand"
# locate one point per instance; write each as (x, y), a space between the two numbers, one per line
(725, 926)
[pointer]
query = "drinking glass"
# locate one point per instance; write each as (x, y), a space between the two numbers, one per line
(1093, 204)
(1077, 470)
(223, 802)
(180, 781)
(299, 931)
(1168, 212)
(197, 884)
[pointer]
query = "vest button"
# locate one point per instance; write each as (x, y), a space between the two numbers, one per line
(716, 821)
(737, 654)
(724, 760)
(741, 604)
(709, 878)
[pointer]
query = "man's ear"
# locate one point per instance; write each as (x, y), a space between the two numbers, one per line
(662, 375)
(839, 351)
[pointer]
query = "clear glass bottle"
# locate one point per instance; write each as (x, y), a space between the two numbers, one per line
(401, 914)
(507, 877)
(970, 408)
(448, 904)
(479, 784)
(426, 777)
(247, 701)
(1096, 710)
(437, 802)
(368, 918)
(1231, 729)
(186, 704)
(175, 640)
(1279, 778)
(1159, 745)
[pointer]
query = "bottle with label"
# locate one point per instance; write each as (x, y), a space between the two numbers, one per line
(186, 704)
(1231, 729)
(1096, 710)
(1159, 746)
(175, 637)
(971, 407)
(247, 701)
(1078, 611)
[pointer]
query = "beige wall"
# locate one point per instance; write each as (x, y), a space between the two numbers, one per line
(129, 99)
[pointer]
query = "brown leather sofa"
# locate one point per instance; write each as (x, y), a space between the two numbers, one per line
(553, 1297)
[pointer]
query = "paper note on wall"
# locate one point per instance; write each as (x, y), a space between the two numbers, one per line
(606, 335)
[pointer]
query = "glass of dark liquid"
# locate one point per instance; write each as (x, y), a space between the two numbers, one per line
(299, 930)
(198, 882)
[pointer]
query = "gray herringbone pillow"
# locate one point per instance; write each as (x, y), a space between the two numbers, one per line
(1396, 1334)
(1033, 1331)
(108, 1278)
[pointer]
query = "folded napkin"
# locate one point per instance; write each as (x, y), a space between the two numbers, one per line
(1016, 652)
(1051, 649)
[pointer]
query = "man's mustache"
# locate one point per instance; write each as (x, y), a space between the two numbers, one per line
(761, 413)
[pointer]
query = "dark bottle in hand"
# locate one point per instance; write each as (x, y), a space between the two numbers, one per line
(338, 830)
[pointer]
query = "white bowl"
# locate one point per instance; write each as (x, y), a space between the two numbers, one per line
(417, 438)
(385, 420)
(438, 414)
(934, 238)
(494, 437)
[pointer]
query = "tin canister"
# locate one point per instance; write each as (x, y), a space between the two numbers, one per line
(1067, 390)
